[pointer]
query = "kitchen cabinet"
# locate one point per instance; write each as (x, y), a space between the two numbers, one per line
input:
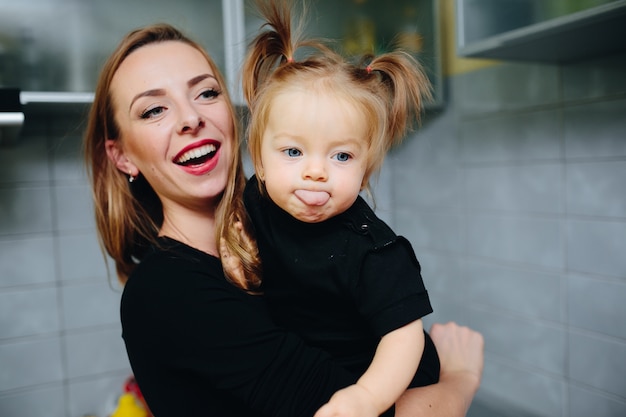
(362, 26)
(551, 31)
(52, 50)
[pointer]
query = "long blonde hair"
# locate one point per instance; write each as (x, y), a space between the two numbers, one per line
(388, 89)
(129, 216)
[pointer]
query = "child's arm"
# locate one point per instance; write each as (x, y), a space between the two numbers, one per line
(388, 376)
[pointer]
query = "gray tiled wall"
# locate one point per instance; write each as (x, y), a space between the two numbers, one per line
(61, 353)
(514, 197)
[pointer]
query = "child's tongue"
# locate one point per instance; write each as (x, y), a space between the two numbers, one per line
(313, 198)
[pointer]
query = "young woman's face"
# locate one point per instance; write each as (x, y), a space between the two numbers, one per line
(313, 154)
(175, 125)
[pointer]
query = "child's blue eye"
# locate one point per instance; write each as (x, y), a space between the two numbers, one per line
(292, 152)
(342, 157)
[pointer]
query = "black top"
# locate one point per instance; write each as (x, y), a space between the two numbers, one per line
(198, 346)
(341, 284)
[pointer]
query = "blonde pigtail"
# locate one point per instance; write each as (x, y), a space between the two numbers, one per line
(407, 88)
(275, 45)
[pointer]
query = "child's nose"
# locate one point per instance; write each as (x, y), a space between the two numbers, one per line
(315, 170)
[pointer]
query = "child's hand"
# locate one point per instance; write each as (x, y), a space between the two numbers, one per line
(352, 401)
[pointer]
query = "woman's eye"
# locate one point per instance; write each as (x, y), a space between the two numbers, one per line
(342, 156)
(153, 112)
(210, 93)
(292, 152)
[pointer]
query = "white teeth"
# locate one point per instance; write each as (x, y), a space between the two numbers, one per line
(196, 153)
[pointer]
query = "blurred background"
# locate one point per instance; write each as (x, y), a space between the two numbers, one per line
(512, 191)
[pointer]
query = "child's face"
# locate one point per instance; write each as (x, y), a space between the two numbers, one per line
(313, 154)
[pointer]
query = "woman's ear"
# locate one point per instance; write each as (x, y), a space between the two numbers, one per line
(118, 157)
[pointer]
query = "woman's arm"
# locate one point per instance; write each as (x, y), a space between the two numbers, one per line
(461, 355)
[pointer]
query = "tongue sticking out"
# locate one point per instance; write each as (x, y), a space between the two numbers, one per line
(313, 198)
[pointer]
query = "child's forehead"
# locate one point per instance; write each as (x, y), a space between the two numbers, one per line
(314, 93)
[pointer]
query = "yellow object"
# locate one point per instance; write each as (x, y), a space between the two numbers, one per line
(451, 62)
(127, 406)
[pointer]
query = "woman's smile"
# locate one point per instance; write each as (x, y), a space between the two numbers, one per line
(200, 157)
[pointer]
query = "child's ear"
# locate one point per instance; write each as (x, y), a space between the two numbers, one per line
(116, 154)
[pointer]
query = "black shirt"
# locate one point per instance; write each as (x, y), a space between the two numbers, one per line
(198, 346)
(341, 284)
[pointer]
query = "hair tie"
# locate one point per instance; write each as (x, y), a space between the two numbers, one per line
(368, 69)
(290, 60)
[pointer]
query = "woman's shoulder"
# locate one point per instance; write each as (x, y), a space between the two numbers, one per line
(168, 253)
(171, 262)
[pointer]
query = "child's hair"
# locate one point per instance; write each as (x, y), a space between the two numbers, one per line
(389, 89)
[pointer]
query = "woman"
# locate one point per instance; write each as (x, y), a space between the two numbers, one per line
(163, 157)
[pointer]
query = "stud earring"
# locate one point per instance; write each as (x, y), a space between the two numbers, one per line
(131, 178)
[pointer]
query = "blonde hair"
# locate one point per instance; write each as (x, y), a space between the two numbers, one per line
(388, 89)
(129, 216)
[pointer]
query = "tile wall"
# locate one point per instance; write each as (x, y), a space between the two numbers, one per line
(514, 197)
(61, 353)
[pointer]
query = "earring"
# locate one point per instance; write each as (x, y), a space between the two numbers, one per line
(130, 177)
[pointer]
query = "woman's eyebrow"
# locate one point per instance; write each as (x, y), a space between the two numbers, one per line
(195, 80)
(149, 93)
(159, 91)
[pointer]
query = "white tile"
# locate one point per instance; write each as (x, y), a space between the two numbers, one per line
(81, 259)
(31, 363)
(524, 342)
(438, 230)
(587, 402)
(531, 240)
(98, 395)
(596, 188)
(74, 207)
(95, 352)
(597, 305)
(90, 304)
(527, 137)
(17, 266)
(48, 401)
(597, 247)
(24, 161)
(25, 210)
(521, 291)
(532, 393)
(535, 188)
(594, 130)
(28, 312)
(598, 362)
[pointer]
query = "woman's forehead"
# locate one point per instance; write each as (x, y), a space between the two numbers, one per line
(161, 65)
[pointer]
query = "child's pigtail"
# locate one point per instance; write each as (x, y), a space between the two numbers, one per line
(407, 87)
(273, 46)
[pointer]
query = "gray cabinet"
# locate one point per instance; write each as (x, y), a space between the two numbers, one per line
(52, 50)
(362, 26)
(553, 31)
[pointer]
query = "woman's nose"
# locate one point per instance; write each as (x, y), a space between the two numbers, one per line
(190, 122)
